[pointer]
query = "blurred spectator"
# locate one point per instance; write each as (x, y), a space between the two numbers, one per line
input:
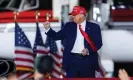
(123, 75)
(38, 76)
(43, 66)
(41, 76)
(12, 76)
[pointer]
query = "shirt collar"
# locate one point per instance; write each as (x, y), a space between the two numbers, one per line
(83, 24)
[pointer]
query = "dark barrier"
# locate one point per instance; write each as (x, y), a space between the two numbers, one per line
(6, 67)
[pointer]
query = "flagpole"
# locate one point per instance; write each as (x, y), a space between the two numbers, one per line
(15, 16)
(47, 16)
(37, 15)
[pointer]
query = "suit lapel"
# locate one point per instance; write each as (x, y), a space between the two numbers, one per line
(87, 27)
(74, 31)
(87, 30)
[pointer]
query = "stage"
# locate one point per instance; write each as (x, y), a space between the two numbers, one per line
(87, 79)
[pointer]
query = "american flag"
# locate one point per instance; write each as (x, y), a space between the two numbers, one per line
(24, 54)
(49, 47)
(40, 48)
(56, 53)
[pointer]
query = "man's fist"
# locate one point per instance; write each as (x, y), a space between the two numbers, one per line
(46, 25)
(85, 51)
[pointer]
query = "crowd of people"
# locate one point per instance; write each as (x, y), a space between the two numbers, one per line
(123, 75)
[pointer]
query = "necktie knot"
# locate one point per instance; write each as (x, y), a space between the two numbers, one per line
(80, 28)
(79, 25)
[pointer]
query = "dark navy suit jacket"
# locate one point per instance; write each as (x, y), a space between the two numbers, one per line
(69, 33)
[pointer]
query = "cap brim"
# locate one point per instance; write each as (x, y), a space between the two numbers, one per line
(71, 13)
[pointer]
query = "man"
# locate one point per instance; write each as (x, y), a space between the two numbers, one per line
(43, 67)
(83, 39)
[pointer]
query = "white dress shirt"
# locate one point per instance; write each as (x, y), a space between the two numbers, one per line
(79, 42)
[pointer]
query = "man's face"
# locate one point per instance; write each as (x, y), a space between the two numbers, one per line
(78, 18)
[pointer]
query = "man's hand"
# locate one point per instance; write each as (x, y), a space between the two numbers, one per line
(46, 25)
(84, 51)
(123, 75)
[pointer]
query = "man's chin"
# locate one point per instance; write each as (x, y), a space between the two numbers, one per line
(76, 22)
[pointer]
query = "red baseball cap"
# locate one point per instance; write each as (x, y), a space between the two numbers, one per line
(77, 10)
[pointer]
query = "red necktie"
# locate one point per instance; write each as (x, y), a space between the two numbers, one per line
(86, 36)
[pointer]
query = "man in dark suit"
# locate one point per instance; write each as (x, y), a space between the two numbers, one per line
(83, 40)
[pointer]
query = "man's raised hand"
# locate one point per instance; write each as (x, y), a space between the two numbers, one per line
(46, 25)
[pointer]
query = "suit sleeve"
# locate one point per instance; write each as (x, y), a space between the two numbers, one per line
(60, 35)
(97, 37)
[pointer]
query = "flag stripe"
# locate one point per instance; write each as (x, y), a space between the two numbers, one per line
(21, 48)
(58, 64)
(23, 52)
(64, 73)
(24, 56)
(56, 59)
(25, 76)
(57, 55)
(57, 72)
(30, 76)
(54, 74)
(57, 68)
(39, 55)
(26, 67)
(43, 48)
(26, 60)
(24, 63)
(22, 77)
(42, 52)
